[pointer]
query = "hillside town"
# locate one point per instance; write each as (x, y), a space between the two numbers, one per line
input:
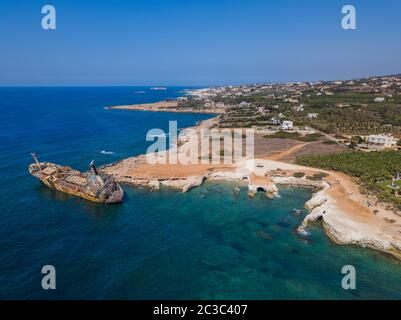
(363, 114)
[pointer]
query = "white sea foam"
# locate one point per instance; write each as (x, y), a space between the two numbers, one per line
(107, 152)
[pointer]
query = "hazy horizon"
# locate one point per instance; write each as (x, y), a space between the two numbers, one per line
(194, 86)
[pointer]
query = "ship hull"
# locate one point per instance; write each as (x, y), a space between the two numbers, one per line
(77, 193)
(62, 186)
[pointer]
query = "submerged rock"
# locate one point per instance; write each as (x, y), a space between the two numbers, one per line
(270, 195)
(264, 235)
(263, 224)
(283, 225)
(301, 232)
(296, 212)
(251, 194)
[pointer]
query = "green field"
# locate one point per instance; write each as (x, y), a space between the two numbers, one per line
(374, 169)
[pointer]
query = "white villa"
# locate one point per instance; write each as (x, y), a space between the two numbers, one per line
(274, 120)
(244, 104)
(313, 115)
(299, 108)
(381, 141)
(287, 125)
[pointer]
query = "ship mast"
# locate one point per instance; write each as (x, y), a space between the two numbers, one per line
(98, 176)
(36, 160)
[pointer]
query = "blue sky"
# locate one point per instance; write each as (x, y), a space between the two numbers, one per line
(186, 42)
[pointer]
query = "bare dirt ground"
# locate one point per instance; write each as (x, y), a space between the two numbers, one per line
(175, 171)
(288, 150)
(266, 147)
(312, 148)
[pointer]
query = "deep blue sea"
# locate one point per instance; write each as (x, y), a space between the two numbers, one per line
(206, 244)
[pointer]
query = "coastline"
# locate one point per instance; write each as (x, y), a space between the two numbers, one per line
(164, 106)
(348, 217)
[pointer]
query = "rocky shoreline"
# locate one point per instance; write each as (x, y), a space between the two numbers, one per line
(165, 106)
(367, 230)
(343, 230)
(348, 217)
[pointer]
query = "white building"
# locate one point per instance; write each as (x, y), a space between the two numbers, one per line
(313, 115)
(299, 108)
(381, 141)
(287, 125)
(380, 99)
(244, 104)
(262, 110)
(274, 120)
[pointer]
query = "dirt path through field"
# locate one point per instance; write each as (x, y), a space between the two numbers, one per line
(281, 154)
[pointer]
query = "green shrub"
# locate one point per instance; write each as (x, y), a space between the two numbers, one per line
(317, 176)
(372, 168)
(298, 175)
(329, 142)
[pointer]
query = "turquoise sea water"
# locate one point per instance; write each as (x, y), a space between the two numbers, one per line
(207, 243)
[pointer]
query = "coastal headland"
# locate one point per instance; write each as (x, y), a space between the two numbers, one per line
(165, 106)
(348, 215)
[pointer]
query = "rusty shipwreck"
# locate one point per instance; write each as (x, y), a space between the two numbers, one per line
(90, 185)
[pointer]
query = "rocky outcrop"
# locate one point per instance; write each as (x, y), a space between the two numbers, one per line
(266, 185)
(348, 232)
(154, 184)
(272, 191)
(319, 198)
(298, 182)
(343, 228)
(350, 220)
(192, 182)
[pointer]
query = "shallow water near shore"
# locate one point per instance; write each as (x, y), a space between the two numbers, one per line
(209, 243)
